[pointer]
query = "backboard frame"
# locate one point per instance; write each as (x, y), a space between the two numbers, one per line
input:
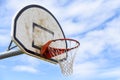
(20, 45)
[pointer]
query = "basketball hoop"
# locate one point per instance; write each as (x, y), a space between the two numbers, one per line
(55, 49)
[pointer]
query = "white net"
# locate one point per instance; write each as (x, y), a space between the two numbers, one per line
(65, 56)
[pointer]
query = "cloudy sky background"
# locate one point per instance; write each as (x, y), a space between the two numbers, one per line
(95, 23)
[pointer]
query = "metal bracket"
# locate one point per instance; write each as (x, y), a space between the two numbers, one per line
(10, 46)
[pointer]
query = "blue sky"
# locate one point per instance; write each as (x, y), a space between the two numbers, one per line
(95, 23)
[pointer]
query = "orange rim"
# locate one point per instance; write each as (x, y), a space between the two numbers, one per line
(45, 52)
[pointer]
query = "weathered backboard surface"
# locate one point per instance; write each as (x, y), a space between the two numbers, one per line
(33, 26)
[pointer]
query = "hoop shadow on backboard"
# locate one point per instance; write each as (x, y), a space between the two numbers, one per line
(33, 26)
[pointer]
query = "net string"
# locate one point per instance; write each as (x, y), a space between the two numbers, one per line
(67, 64)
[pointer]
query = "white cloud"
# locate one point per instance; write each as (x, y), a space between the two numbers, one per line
(85, 71)
(29, 60)
(96, 41)
(111, 73)
(84, 9)
(93, 70)
(11, 4)
(88, 14)
(23, 68)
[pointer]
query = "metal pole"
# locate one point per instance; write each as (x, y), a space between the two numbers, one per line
(10, 53)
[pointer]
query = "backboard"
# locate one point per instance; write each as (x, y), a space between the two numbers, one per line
(33, 26)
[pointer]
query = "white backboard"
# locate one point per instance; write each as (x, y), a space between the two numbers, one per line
(33, 26)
